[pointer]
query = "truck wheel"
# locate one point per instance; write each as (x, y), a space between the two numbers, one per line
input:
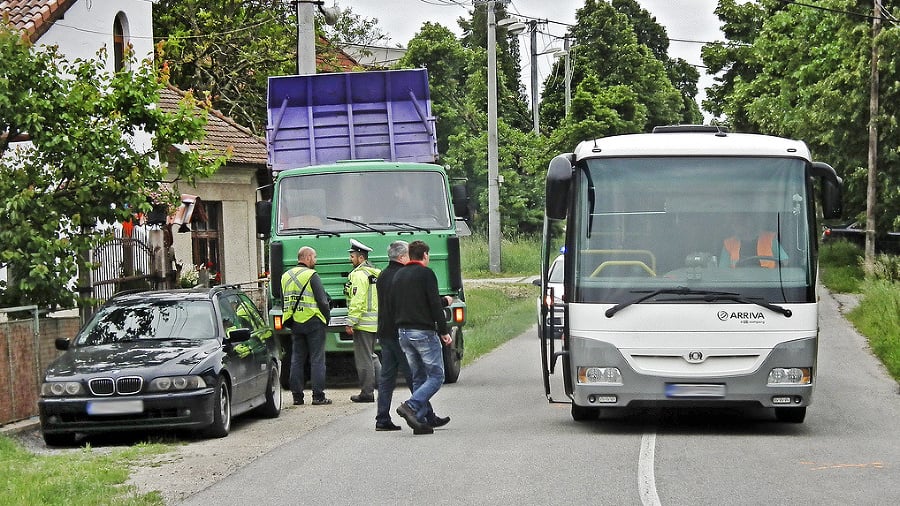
(221, 411)
(62, 440)
(272, 407)
(453, 356)
(790, 415)
(287, 347)
(584, 413)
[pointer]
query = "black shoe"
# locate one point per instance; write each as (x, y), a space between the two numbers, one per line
(424, 429)
(362, 398)
(298, 400)
(438, 421)
(386, 426)
(321, 402)
(409, 415)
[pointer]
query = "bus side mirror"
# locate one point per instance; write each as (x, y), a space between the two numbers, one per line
(831, 199)
(263, 219)
(559, 180)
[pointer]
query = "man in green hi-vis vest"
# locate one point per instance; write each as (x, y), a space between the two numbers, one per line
(306, 310)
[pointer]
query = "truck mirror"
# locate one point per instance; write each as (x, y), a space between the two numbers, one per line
(263, 218)
(460, 201)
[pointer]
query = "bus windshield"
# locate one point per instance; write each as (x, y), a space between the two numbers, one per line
(721, 224)
(343, 202)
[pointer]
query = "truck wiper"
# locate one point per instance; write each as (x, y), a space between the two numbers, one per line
(311, 230)
(744, 300)
(678, 290)
(354, 222)
(402, 224)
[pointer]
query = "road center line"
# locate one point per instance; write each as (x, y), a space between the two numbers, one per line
(646, 477)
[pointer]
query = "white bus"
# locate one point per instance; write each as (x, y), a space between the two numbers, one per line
(690, 271)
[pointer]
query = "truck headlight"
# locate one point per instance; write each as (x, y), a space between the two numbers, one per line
(599, 376)
(790, 376)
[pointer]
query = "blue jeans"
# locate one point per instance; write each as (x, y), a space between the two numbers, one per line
(393, 361)
(308, 339)
(426, 365)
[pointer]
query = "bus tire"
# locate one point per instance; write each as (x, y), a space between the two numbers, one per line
(584, 413)
(790, 415)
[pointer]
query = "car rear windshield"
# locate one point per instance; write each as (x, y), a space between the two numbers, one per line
(150, 320)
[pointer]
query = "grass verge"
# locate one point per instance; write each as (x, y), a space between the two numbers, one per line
(878, 315)
(82, 477)
(497, 313)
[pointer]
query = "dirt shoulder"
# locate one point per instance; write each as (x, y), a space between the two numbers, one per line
(195, 464)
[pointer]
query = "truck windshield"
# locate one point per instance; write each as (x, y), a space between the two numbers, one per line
(349, 202)
(721, 224)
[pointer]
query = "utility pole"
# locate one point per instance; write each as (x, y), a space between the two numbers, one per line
(871, 193)
(568, 74)
(532, 27)
(306, 37)
(493, 150)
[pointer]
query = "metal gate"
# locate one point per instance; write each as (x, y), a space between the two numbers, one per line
(122, 263)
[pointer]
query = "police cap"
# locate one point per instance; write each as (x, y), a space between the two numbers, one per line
(358, 247)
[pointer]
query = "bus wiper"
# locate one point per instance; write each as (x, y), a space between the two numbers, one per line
(678, 290)
(310, 230)
(744, 300)
(402, 224)
(354, 222)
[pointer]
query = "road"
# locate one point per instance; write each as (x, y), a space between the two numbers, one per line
(507, 445)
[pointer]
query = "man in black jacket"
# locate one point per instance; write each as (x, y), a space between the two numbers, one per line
(393, 360)
(419, 317)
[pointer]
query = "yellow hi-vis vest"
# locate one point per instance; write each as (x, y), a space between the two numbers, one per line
(299, 300)
(362, 297)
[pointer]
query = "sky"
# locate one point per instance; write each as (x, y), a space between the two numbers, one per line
(688, 23)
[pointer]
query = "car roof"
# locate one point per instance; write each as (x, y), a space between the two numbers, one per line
(178, 294)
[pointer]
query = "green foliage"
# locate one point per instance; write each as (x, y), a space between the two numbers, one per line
(803, 72)
(76, 477)
(613, 53)
(87, 162)
(878, 318)
(840, 266)
(887, 268)
(520, 256)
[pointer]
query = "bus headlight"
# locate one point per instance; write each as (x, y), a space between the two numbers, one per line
(599, 376)
(790, 376)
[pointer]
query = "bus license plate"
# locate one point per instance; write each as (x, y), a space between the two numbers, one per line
(694, 390)
(124, 407)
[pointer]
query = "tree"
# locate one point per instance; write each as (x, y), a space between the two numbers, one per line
(229, 49)
(610, 51)
(85, 164)
(809, 80)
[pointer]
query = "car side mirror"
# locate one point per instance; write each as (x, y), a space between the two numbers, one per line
(238, 335)
(62, 343)
(536, 282)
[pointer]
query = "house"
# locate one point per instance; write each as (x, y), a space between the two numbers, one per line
(226, 241)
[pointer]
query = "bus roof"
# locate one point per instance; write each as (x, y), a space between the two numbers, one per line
(691, 143)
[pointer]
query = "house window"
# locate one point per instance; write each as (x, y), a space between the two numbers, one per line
(120, 40)
(206, 242)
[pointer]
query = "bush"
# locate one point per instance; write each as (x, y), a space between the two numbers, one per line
(887, 268)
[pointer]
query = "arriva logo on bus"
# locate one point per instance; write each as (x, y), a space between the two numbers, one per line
(740, 315)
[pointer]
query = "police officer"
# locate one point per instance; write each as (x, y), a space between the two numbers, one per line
(306, 310)
(362, 318)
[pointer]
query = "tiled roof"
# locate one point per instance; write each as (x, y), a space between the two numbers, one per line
(222, 133)
(33, 17)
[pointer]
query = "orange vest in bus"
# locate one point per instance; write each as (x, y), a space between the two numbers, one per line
(763, 249)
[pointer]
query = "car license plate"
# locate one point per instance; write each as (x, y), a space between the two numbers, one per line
(115, 407)
(694, 390)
